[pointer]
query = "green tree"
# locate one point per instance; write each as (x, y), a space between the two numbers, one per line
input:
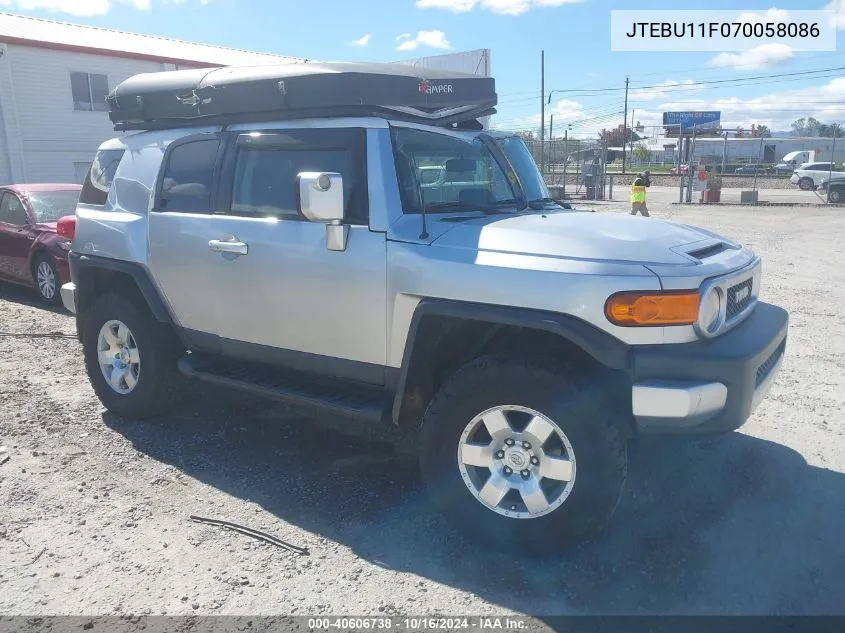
(806, 126)
(830, 129)
(760, 131)
(641, 152)
(618, 136)
(740, 132)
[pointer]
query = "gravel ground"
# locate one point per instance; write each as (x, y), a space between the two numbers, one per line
(94, 511)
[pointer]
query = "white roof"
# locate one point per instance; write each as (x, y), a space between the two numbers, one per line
(29, 31)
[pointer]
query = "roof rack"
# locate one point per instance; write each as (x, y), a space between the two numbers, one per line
(210, 96)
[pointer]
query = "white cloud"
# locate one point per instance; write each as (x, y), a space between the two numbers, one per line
(430, 39)
(772, 15)
(763, 56)
(777, 110)
(81, 8)
(362, 41)
(838, 6)
(663, 90)
(502, 7)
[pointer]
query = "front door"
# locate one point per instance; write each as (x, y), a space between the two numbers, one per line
(285, 298)
(16, 238)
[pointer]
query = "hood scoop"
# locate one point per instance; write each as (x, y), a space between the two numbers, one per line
(709, 251)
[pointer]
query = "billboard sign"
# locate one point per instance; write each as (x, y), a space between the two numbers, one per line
(691, 120)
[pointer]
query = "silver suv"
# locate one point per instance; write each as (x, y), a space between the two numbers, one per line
(303, 256)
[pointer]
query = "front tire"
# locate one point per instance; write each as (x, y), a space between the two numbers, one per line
(806, 184)
(834, 196)
(524, 454)
(130, 358)
(46, 278)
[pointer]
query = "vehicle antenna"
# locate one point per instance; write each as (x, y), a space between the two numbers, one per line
(424, 234)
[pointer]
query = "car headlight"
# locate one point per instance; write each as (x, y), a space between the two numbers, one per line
(710, 310)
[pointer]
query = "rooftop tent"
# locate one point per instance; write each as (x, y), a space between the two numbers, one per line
(297, 90)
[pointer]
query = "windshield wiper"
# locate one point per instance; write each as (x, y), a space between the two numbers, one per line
(541, 203)
(449, 206)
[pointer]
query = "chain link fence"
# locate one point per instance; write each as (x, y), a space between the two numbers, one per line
(708, 169)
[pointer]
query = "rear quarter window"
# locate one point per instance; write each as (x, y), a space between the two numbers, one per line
(95, 189)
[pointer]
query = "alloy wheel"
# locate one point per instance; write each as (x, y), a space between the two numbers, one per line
(118, 355)
(46, 280)
(516, 461)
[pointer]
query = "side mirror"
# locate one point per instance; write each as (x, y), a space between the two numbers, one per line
(321, 200)
(321, 196)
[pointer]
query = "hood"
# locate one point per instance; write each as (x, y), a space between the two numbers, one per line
(601, 237)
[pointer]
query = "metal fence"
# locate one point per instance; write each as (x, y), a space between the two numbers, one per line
(742, 167)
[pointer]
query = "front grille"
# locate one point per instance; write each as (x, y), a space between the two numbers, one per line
(764, 369)
(739, 296)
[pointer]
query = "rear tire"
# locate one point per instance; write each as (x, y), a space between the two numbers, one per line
(46, 278)
(806, 184)
(834, 196)
(130, 358)
(585, 426)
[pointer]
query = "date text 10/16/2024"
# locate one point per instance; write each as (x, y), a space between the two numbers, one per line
(386, 623)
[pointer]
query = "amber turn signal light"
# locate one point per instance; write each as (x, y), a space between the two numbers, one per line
(653, 308)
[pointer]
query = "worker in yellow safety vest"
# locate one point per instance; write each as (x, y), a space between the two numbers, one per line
(638, 196)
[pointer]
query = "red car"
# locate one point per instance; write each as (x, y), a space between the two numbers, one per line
(32, 252)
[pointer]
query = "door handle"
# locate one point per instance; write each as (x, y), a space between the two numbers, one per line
(221, 246)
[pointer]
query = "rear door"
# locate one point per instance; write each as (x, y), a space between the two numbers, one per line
(16, 238)
(180, 224)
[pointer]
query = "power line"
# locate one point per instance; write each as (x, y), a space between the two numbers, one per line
(687, 85)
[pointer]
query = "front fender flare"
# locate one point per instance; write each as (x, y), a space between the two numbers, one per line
(603, 347)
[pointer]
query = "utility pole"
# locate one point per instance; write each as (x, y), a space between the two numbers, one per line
(832, 157)
(551, 142)
(542, 113)
(565, 158)
(625, 126)
(724, 152)
(632, 136)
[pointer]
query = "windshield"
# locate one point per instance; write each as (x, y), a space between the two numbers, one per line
(444, 172)
(49, 206)
(523, 163)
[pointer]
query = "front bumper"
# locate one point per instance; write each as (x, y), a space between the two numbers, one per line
(69, 297)
(794, 179)
(713, 385)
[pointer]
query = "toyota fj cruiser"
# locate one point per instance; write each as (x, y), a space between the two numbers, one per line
(271, 230)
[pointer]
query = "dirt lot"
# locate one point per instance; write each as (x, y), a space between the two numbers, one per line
(94, 511)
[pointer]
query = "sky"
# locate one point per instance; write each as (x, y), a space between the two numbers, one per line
(778, 85)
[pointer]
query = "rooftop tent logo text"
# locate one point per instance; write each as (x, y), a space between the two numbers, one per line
(427, 88)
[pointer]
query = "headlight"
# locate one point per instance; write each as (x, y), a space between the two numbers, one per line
(710, 312)
(672, 307)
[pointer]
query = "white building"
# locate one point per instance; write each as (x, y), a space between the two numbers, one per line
(744, 150)
(54, 78)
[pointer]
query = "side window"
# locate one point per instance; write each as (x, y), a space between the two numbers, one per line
(95, 189)
(12, 210)
(187, 181)
(265, 179)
